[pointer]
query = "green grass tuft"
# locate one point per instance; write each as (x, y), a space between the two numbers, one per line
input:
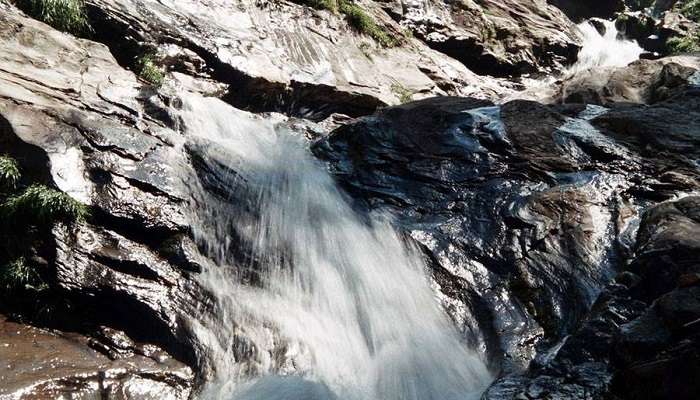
(18, 275)
(9, 174)
(40, 205)
(65, 15)
(149, 71)
(357, 18)
(362, 22)
(691, 9)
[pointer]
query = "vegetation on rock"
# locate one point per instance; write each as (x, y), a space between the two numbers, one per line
(684, 44)
(149, 71)
(27, 216)
(691, 9)
(404, 94)
(357, 18)
(65, 15)
(9, 174)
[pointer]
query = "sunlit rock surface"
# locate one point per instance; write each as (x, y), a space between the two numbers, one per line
(282, 55)
(527, 213)
(41, 364)
(498, 38)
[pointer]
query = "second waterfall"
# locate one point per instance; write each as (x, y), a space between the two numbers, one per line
(310, 299)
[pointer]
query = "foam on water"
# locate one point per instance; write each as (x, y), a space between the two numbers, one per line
(311, 299)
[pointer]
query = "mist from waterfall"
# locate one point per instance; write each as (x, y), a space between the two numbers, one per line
(311, 300)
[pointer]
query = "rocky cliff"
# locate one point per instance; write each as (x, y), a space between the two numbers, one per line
(561, 236)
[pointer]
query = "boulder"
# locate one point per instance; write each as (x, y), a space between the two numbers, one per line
(513, 204)
(499, 38)
(643, 81)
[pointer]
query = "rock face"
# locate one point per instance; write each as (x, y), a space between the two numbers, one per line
(644, 82)
(492, 37)
(78, 121)
(45, 365)
(561, 238)
(579, 10)
(526, 212)
(285, 56)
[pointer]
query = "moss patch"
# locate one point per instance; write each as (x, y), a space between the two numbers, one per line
(64, 15)
(404, 94)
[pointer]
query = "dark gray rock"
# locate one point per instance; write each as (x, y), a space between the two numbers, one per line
(526, 213)
(579, 10)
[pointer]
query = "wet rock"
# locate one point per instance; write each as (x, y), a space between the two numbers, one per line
(281, 56)
(36, 363)
(79, 122)
(498, 38)
(515, 206)
(643, 81)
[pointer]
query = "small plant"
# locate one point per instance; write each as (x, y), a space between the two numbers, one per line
(40, 205)
(9, 174)
(19, 274)
(64, 15)
(362, 22)
(357, 18)
(404, 94)
(684, 44)
(691, 9)
(149, 71)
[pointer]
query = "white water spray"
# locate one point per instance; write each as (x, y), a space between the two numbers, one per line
(606, 50)
(598, 51)
(329, 304)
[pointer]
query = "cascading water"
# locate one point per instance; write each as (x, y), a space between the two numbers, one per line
(604, 50)
(311, 299)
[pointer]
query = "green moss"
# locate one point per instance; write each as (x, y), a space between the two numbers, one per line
(691, 9)
(40, 205)
(686, 44)
(65, 15)
(405, 95)
(9, 174)
(149, 71)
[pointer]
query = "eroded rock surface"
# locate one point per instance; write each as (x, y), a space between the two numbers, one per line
(277, 55)
(643, 81)
(74, 118)
(525, 211)
(40, 364)
(492, 37)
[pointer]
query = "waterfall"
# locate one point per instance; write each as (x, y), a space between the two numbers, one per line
(311, 299)
(604, 50)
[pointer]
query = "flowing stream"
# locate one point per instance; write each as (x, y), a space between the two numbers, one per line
(312, 300)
